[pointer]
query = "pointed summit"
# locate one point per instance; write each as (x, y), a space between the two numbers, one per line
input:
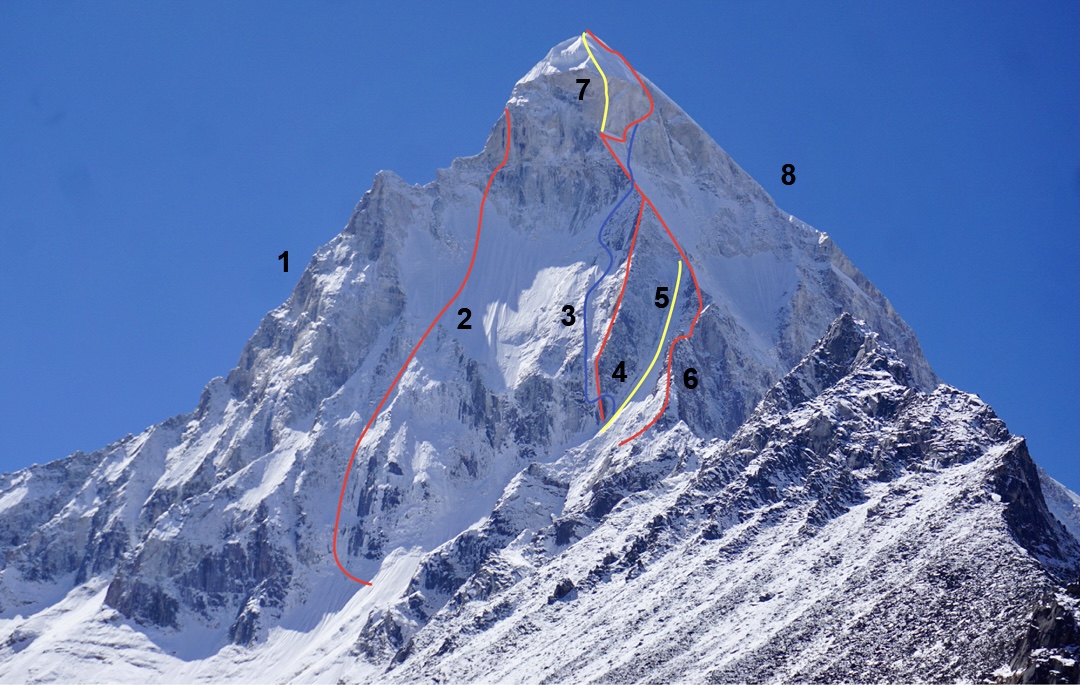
(848, 346)
(585, 52)
(569, 55)
(584, 75)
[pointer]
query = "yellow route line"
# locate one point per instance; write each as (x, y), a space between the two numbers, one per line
(659, 349)
(603, 124)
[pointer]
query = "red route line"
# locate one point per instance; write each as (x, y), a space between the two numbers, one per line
(468, 272)
(635, 121)
(604, 138)
(618, 303)
(671, 348)
(645, 198)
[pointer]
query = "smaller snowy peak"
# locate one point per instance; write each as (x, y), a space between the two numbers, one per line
(848, 345)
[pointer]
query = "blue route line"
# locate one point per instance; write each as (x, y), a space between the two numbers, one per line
(611, 262)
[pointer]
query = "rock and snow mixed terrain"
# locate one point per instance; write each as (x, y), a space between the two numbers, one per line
(819, 507)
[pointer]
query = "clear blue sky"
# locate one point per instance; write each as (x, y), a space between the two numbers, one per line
(155, 158)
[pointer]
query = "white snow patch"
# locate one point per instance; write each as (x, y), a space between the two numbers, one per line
(13, 497)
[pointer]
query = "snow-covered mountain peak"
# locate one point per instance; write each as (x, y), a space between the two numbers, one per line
(799, 413)
(582, 56)
(569, 55)
(848, 346)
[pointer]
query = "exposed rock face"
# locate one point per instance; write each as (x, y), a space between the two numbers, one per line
(816, 508)
(1048, 652)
